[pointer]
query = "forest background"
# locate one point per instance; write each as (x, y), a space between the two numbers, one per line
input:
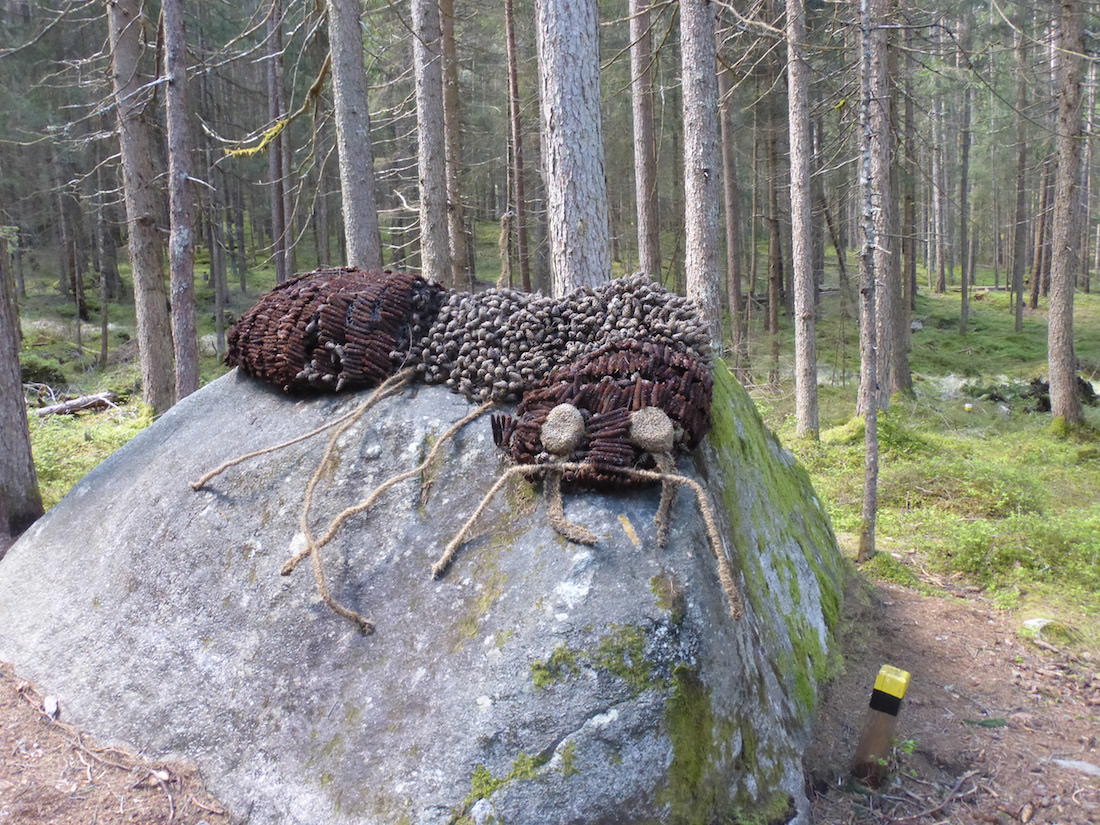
(981, 215)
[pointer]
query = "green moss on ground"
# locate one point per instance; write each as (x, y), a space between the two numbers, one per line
(67, 447)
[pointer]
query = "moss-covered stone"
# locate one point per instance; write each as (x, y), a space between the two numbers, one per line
(561, 664)
(622, 652)
(669, 594)
(483, 784)
(690, 793)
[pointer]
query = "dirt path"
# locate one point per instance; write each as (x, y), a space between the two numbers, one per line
(987, 715)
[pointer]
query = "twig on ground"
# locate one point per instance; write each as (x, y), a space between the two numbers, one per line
(207, 808)
(935, 808)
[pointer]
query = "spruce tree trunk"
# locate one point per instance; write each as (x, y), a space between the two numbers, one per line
(732, 203)
(702, 195)
(873, 162)
(966, 275)
(20, 501)
(143, 205)
(519, 189)
(645, 141)
(1040, 246)
(939, 199)
(910, 231)
(181, 239)
(884, 173)
(798, 118)
(1065, 404)
(461, 273)
(576, 189)
(275, 148)
(353, 136)
(430, 137)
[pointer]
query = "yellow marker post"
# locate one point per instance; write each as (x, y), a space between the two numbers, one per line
(878, 731)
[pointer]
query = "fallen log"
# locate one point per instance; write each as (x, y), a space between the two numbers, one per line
(98, 401)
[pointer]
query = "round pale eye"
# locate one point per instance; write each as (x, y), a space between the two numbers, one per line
(563, 430)
(652, 430)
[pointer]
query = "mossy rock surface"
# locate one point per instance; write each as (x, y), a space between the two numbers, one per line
(537, 682)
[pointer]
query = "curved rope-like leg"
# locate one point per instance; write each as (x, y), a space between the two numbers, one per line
(387, 387)
(362, 622)
(555, 512)
(444, 561)
(426, 484)
(666, 465)
(365, 504)
(358, 411)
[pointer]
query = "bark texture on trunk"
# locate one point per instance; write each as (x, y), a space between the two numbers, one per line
(1019, 221)
(363, 244)
(702, 195)
(966, 275)
(798, 111)
(20, 501)
(143, 204)
(1065, 404)
(887, 271)
(519, 189)
(576, 189)
(732, 204)
(275, 148)
(645, 141)
(872, 181)
(430, 137)
(181, 237)
(461, 271)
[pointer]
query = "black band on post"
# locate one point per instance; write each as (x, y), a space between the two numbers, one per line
(884, 702)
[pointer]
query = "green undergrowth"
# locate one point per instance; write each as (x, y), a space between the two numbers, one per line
(975, 487)
(66, 447)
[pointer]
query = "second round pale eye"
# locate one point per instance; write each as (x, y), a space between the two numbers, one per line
(563, 430)
(652, 430)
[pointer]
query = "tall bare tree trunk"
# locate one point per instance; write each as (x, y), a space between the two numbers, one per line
(1086, 177)
(939, 198)
(874, 174)
(431, 140)
(645, 141)
(143, 206)
(798, 118)
(461, 271)
(910, 232)
(887, 268)
(576, 189)
(966, 275)
(1065, 404)
(363, 244)
(519, 189)
(20, 501)
(1041, 247)
(699, 87)
(732, 203)
(279, 234)
(181, 239)
(1019, 222)
(105, 262)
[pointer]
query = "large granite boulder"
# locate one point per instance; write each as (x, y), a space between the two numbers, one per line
(538, 682)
